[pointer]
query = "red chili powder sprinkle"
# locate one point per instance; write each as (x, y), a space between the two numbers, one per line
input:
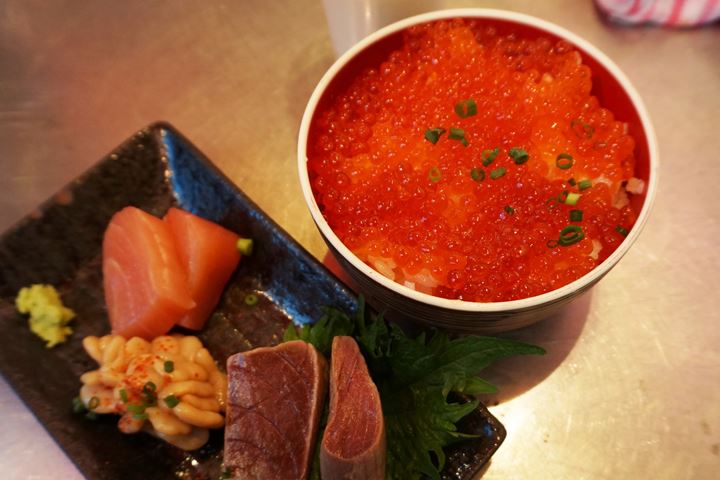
(414, 209)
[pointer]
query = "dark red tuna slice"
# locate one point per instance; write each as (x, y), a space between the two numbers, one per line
(353, 445)
(275, 398)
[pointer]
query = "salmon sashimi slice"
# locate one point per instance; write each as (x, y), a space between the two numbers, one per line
(146, 288)
(275, 399)
(209, 254)
(353, 445)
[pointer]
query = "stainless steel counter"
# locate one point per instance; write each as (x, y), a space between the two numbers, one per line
(631, 385)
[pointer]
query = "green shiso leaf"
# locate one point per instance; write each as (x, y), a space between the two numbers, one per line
(332, 323)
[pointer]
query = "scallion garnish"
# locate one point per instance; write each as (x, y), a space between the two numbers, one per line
(498, 172)
(432, 135)
(576, 215)
(91, 415)
(570, 235)
(77, 405)
(584, 185)
(93, 403)
(245, 246)
(622, 231)
(136, 409)
(123, 395)
(488, 156)
(564, 161)
(518, 155)
(466, 108)
(169, 366)
(510, 210)
(572, 182)
(140, 416)
(171, 401)
(477, 174)
(459, 135)
(251, 299)
(149, 390)
(572, 198)
(587, 129)
(552, 243)
(434, 174)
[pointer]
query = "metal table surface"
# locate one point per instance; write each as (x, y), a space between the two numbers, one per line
(631, 385)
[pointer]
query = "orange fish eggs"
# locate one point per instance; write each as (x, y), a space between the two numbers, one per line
(454, 166)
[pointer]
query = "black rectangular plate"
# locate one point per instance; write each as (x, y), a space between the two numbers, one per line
(60, 243)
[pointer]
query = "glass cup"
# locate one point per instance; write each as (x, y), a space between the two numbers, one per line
(351, 20)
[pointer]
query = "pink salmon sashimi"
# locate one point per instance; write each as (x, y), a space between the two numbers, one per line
(209, 255)
(146, 288)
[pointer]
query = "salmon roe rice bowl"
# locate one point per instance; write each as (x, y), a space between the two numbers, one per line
(474, 164)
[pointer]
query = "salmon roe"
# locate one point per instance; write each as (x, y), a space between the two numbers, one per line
(432, 209)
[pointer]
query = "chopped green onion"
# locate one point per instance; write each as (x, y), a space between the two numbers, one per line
(136, 409)
(434, 174)
(91, 415)
(572, 182)
(497, 173)
(563, 196)
(432, 135)
(550, 202)
(584, 184)
(149, 390)
(140, 416)
(622, 231)
(570, 235)
(510, 210)
(552, 243)
(251, 299)
(586, 128)
(466, 108)
(93, 403)
(477, 174)
(576, 215)
(245, 246)
(458, 134)
(564, 161)
(78, 406)
(123, 395)
(171, 401)
(572, 198)
(169, 366)
(488, 156)
(518, 155)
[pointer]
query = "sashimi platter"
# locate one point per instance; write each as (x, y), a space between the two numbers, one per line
(163, 326)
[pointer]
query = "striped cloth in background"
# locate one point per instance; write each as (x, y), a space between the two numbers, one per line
(672, 13)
